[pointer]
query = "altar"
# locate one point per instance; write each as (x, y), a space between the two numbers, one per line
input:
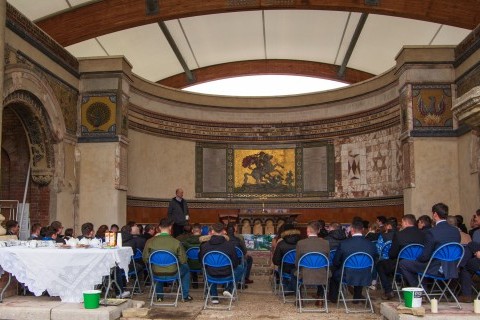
(260, 221)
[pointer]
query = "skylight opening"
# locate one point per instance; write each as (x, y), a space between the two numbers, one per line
(265, 86)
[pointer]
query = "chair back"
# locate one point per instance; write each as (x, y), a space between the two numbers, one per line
(411, 252)
(358, 260)
(332, 255)
(192, 253)
(138, 255)
(240, 254)
(385, 249)
(313, 260)
(450, 252)
(163, 258)
(289, 257)
(216, 259)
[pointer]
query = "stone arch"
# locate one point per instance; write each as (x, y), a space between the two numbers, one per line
(28, 94)
(36, 124)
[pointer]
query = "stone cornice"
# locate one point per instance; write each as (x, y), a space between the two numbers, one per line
(467, 108)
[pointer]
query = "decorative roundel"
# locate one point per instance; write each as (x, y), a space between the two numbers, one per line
(98, 113)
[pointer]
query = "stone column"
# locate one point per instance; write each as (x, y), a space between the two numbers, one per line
(103, 143)
(428, 128)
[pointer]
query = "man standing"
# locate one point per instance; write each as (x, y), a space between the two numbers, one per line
(178, 212)
(218, 241)
(164, 241)
(435, 237)
(359, 278)
(408, 235)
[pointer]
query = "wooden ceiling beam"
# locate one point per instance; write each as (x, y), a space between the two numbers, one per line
(267, 67)
(103, 17)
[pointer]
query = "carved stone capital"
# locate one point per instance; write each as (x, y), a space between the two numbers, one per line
(42, 176)
(467, 108)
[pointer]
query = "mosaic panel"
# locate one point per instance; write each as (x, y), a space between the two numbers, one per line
(370, 165)
(432, 106)
(264, 171)
(98, 115)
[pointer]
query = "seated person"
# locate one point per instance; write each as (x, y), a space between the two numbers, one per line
(68, 233)
(35, 231)
(57, 225)
(239, 241)
(12, 227)
(218, 241)
(335, 235)
(87, 231)
(100, 234)
(287, 241)
(191, 242)
(50, 234)
(469, 266)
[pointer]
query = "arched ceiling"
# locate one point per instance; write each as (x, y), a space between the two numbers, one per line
(182, 42)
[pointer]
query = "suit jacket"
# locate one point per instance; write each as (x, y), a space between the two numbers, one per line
(177, 211)
(439, 235)
(360, 277)
(405, 237)
(312, 244)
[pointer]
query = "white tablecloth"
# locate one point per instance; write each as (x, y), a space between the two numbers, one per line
(62, 272)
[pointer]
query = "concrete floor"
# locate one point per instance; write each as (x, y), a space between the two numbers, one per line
(256, 302)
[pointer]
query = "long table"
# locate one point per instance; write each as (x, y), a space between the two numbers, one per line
(62, 272)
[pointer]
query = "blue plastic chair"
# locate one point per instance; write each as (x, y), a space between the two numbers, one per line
(217, 259)
(317, 261)
(332, 255)
(133, 273)
(353, 263)
(192, 255)
(243, 262)
(384, 251)
(410, 252)
(163, 258)
(449, 252)
(289, 258)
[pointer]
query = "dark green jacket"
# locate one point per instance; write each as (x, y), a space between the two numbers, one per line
(163, 241)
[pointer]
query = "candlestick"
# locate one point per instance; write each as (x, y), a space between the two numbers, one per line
(434, 305)
(476, 306)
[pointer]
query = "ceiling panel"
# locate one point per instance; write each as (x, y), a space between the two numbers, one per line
(450, 36)
(304, 34)
(175, 28)
(383, 37)
(86, 48)
(147, 50)
(226, 37)
(35, 9)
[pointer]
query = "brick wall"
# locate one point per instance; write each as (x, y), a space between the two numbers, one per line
(15, 159)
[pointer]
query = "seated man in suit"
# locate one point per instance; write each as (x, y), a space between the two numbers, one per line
(408, 235)
(469, 266)
(359, 278)
(435, 237)
(313, 244)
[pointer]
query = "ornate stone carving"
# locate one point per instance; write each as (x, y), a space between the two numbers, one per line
(467, 108)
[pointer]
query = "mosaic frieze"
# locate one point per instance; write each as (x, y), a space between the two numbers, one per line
(157, 124)
(370, 165)
(432, 106)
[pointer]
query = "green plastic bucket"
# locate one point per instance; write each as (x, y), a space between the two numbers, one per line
(412, 297)
(91, 299)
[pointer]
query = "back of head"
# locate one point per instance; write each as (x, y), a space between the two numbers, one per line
(218, 228)
(392, 223)
(334, 226)
(50, 232)
(357, 226)
(135, 230)
(426, 220)
(197, 229)
(87, 229)
(452, 220)
(230, 228)
(409, 219)
(165, 223)
(56, 224)
(382, 219)
(69, 232)
(314, 227)
(441, 210)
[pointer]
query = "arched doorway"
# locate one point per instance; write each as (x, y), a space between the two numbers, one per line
(27, 140)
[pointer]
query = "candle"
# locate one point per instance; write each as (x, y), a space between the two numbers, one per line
(434, 305)
(476, 306)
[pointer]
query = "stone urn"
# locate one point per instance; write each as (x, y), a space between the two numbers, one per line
(3, 231)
